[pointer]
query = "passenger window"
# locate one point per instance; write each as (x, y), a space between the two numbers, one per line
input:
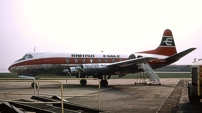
(76, 60)
(67, 60)
(106, 60)
(84, 60)
(99, 60)
(120, 59)
(113, 60)
(91, 60)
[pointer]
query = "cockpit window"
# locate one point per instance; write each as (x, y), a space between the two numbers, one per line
(29, 56)
(25, 56)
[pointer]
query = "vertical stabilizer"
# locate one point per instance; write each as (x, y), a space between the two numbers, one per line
(166, 47)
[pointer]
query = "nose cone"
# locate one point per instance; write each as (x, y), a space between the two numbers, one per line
(9, 68)
(167, 32)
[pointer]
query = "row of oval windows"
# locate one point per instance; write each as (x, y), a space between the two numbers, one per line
(92, 60)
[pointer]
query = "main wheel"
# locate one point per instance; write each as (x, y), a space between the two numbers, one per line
(104, 83)
(83, 82)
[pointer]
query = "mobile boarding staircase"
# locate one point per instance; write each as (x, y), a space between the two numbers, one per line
(151, 74)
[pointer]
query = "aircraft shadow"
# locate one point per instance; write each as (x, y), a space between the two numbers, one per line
(110, 89)
(96, 86)
(113, 89)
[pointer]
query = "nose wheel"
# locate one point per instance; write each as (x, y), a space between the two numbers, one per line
(83, 82)
(33, 83)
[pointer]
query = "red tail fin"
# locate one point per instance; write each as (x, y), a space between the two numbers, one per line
(166, 47)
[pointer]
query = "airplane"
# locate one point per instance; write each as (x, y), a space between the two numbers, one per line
(98, 65)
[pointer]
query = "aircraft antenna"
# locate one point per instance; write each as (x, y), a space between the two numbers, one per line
(34, 48)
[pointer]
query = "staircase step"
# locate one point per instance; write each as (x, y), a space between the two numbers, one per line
(150, 72)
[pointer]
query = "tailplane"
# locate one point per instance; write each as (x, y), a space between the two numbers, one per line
(166, 47)
(179, 55)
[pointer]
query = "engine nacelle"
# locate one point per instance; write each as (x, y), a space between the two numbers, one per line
(74, 71)
(95, 68)
(88, 69)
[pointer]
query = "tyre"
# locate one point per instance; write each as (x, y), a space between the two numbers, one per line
(83, 82)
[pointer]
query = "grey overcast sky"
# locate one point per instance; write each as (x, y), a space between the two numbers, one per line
(97, 25)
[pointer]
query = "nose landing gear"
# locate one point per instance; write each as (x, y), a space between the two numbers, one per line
(83, 82)
(34, 84)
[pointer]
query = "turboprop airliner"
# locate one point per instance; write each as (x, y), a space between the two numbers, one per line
(98, 65)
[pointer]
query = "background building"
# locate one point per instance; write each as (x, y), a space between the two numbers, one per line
(175, 68)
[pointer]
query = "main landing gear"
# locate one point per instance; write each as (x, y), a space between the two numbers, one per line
(103, 80)
(104, 83)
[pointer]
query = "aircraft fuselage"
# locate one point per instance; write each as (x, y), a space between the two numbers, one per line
(56, 62)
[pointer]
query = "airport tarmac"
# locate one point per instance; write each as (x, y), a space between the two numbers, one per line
(120, 96)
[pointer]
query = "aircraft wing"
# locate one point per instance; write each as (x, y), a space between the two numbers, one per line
(131, 62)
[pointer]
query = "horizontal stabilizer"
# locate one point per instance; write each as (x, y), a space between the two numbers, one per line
(180, 55)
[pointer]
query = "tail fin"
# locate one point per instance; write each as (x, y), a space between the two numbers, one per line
(166, 47)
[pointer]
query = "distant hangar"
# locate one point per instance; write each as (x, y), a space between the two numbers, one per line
(175, 68)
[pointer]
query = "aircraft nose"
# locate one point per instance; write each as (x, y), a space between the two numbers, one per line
(10, 68)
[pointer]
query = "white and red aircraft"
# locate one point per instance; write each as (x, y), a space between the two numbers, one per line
(98, 65)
